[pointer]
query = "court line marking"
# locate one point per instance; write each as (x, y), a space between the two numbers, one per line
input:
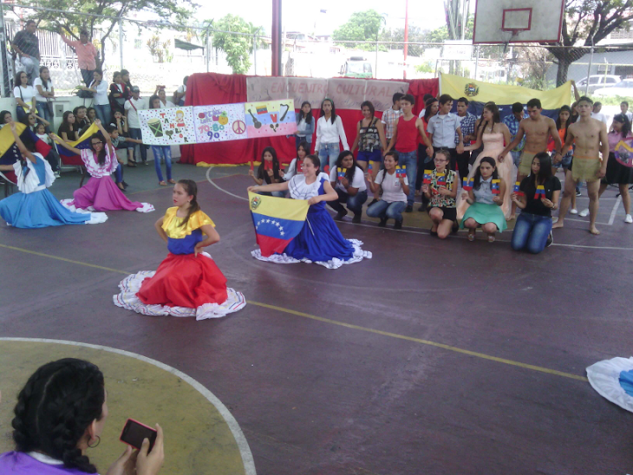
(355, 327)
(169, 188)
(614, 210)
(234, 427)
(210, 180)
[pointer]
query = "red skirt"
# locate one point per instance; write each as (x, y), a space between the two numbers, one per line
(183, 285)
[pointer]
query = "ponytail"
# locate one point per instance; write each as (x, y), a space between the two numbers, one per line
(192, 190)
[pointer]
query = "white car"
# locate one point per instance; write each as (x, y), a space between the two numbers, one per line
(622, 89)
(597, 81)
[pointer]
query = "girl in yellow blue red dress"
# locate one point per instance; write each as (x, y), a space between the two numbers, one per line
(188, 282)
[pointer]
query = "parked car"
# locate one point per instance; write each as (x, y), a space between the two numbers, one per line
(622, 89)
(598, 81)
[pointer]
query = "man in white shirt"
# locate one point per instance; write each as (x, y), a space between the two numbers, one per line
(181, 92)
(596, 114)
(162, 95)
(443, 127)
(132, 106)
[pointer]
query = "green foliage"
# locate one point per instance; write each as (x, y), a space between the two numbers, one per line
(236, 47)
(424, 68)
(160, 49)
(362, 26)
(178, 11)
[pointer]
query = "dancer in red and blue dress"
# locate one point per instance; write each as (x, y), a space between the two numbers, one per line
(319, 241)
(187, 283)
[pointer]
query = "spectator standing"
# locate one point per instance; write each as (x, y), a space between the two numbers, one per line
(44, 94)
(512, 121)
(443, 128)
(305, 126)
(125, 77)
(624, 109)
(100, 90)
(181, 92)
(328, 134)
(26, 44)
(132, 106)
(119, 93)
(161, 152)
(596, 114)
(86, 55)
(24, 95)
(467, 124)
(390, 117)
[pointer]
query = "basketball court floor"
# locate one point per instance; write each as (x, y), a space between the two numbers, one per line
(434, 357)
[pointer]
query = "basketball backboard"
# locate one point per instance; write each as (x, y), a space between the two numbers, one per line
(518, 21)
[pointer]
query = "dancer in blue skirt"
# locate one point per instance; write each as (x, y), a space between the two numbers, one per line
(319, 241)
(34, 206)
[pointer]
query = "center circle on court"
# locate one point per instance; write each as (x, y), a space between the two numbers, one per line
(201, 436)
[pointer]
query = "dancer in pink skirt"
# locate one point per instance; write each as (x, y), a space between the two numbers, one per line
(100, 193)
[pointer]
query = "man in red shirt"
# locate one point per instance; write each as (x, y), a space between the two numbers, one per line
(86, 54)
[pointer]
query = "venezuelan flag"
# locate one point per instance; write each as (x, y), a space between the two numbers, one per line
(9, 152)
(540, 192)
(83, 142)
(468, 184)
(341, 172)
(427, 176)
(277, 221)
(370, 167)
(495, 187)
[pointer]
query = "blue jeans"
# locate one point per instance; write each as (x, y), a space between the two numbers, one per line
(103, 113)
(409, 160)
(45, 113)
(530, 232)
(328, 153)
(382, 209)
(516, 158)
(136, 134)
(87, 76)
(354, 203)
(162, 151)
(118, 173)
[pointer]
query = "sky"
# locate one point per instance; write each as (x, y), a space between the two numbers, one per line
(299, 15)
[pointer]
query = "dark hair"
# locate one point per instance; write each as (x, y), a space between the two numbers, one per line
(192, 190)
(44, 83)
(305, 146)
(396, 97)
(322, 114)
(111, 128)
(626, 124)
(517, 107)
(84, 32)
(477, 177)
(101, 158)
(534, 103)
(597, 103)
(90, 109)
(116, 73)
(393, 154)
(409, 98)
(124, 72)
(496, 117)
(427, 108)
(558, 121)
(463, 100)
(308, 116)
(444, 151)
(18, 80)
(261, 171)
(545, 173)
(444, 98)
(54, 409)
(584, 99)
(185, 79)
(151, 101)
(371, 107)
(315, 161)
(349, 174)
(25, 118)
(76, 109)
(99, 72)
(426, 97)
(625, 103)
(30, 22)
(66, 127)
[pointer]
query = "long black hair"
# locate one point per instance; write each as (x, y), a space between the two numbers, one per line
(626, 124)
(395, 157)
(477, 177)
(55, 407)
(322, 113)
(315, 161)
(151, 101)
(3, 116)
(261, 171)
(349, 173)
(427, 108)
(101, 157)
(308, 116)
(545, 172)
(567, 124)
(305, 146)
(44, 83)
(496, 117)
(191, 189)
(67, 127)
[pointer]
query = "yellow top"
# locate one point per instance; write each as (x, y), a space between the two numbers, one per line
(171, 223)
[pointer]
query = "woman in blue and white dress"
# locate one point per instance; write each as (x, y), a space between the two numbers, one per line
(34, 206)
(319, 241)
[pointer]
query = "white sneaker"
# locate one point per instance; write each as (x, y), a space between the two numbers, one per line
(628, 219)
(584, 213)
(573, 211)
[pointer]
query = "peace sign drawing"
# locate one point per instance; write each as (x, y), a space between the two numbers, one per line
(239, 127)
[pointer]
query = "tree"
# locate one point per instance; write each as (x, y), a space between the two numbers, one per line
(586, 23)
(415, 35)
(160, 49)
(362, 26)
(72, 22)
(236, 47)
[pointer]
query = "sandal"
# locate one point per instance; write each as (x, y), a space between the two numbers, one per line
(172, 181)
(131, 164)
(471, 236)
(491, 238)
(162, 183)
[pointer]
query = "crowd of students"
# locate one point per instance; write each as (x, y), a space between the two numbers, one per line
(499, 165)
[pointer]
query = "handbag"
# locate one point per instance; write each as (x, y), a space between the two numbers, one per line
(85, 94)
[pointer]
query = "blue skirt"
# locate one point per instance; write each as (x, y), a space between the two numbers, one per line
(39, 209)
(325, 244)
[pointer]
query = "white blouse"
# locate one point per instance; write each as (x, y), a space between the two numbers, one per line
(300, 190)
(31, 183)
(328, 132)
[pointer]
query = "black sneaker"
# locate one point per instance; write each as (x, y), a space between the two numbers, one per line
(578, 193)
(397, 225)
(356, 219)
(550, 240)
(409, 209)
(382, 223)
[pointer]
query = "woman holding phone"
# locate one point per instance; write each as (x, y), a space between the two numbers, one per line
(61, 412)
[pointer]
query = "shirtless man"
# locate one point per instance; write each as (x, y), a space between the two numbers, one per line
(537, 130)
(591, 140)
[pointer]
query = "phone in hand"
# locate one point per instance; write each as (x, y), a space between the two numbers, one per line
(134, 432)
